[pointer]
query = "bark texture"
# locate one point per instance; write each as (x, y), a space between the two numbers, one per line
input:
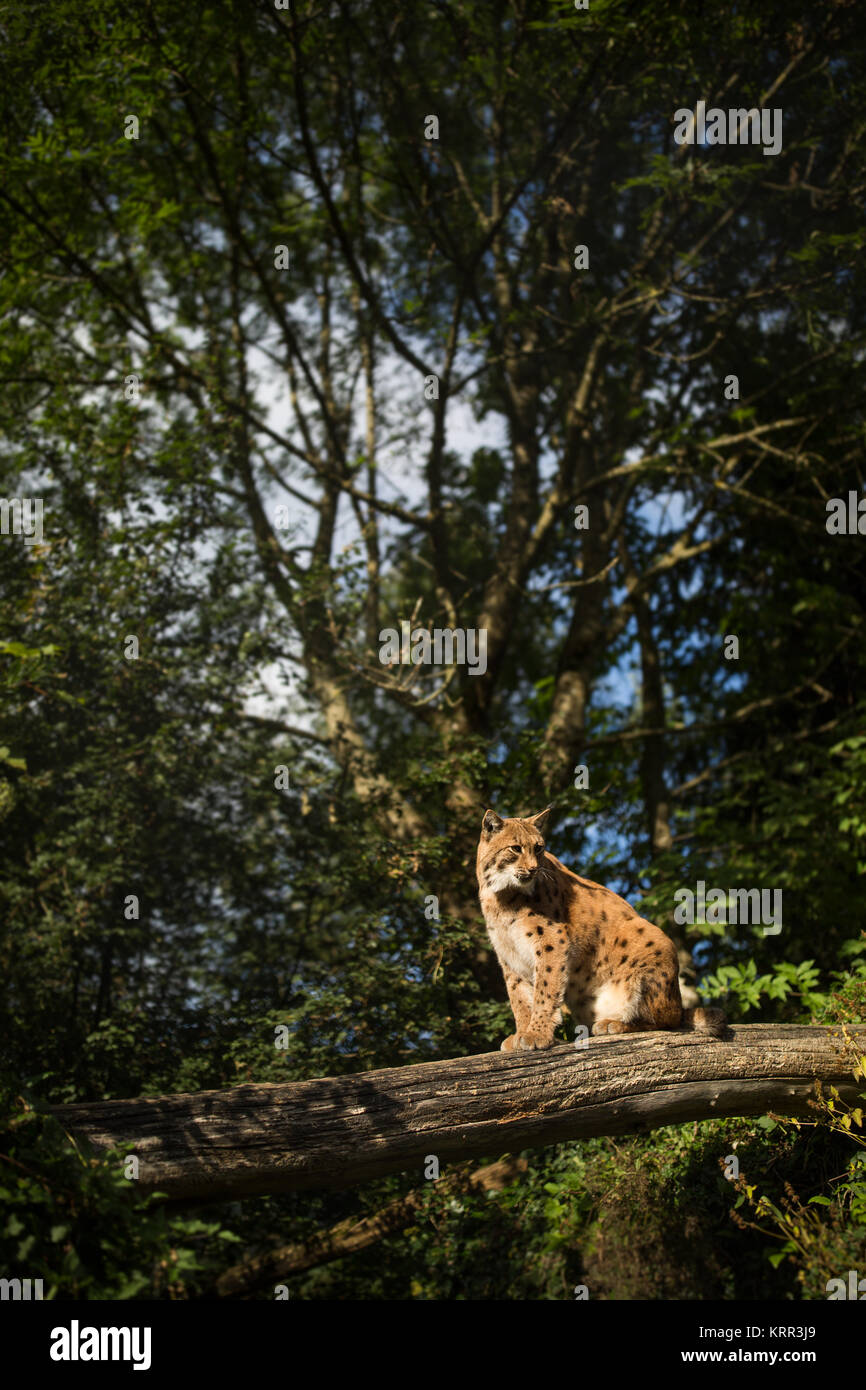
(339, 1131)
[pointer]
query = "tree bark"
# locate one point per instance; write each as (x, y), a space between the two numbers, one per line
(339, 1131)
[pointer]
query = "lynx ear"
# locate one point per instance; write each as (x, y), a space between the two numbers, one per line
(491, 823)
(538, 820)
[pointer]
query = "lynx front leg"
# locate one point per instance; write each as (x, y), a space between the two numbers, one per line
(551, 976)
(520, 998)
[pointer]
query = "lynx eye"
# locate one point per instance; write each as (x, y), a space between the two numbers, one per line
(516, 848)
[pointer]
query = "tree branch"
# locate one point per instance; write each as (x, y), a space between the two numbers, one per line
(339, 1131)
(357, 1233)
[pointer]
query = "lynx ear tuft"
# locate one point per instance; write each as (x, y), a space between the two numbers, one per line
(542, 816)
(491, 823)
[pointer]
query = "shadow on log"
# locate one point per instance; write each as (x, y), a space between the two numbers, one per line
(340, 1131)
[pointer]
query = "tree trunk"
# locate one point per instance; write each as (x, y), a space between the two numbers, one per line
(339, 1131)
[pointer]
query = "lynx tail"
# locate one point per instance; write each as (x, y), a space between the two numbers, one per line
(711, 1021)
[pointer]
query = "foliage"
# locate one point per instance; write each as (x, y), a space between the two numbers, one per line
(825, 1236)
(77, 1223)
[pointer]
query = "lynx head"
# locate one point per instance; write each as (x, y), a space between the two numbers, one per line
(510, 852)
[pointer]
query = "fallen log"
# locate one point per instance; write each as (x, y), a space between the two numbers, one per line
(340, 1131)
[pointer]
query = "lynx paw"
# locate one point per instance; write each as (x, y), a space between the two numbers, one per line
(610, 1025)
(509, 1044)
(533, 1040)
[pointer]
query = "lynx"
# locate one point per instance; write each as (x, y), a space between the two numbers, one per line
(562, 940)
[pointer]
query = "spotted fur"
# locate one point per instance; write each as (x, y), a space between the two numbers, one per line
(564, 941)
